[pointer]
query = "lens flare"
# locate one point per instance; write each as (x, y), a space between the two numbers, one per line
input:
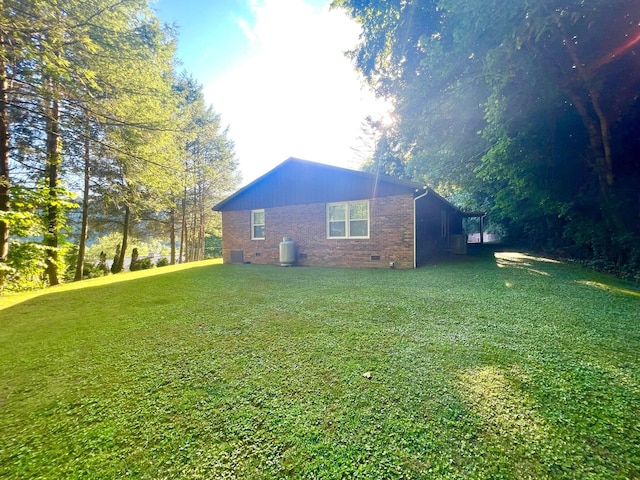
(615, 53)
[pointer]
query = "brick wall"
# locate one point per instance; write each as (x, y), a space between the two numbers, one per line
(390, 236)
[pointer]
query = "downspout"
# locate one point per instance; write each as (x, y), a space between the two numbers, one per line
(415, 226)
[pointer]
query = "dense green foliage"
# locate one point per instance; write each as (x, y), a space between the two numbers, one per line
(528, 108)
(510, 366)
(91, 103)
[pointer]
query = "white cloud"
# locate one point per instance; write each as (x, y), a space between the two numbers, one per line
(295, 94)
(246, 29)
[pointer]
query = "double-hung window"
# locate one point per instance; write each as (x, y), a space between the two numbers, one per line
(348, 219)
(257, 224)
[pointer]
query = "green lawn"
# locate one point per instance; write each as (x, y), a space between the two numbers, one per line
(505, 367)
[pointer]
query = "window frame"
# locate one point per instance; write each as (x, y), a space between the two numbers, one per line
(347, 220)
(254, 224)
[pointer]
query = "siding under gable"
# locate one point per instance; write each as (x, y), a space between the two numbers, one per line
(298, 182)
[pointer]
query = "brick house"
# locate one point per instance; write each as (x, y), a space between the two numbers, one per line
(338, 217)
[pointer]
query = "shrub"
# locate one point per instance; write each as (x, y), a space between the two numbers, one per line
(102, 263)
(70, 262)
(95, 270)
(115, 267)
(139, 263)
(135, 263)
(162, 262)
(145, 264)
(25, 266)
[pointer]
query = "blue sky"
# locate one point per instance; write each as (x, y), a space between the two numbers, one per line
(209, 36)
(275, 71)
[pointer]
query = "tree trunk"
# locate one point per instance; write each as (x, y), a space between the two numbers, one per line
(193, 240)
(605, 135)
(601, 165)
(194, 224)
(172, 235)
(201, 239)
(201, 233)
(4, 168)
(183, 230)
(53, 162)
(85, 206)
(598, 128)
(125, 240)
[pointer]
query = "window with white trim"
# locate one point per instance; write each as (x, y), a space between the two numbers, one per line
(257, 224)
(348, 219)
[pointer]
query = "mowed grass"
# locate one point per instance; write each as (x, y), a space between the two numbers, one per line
(510, 366)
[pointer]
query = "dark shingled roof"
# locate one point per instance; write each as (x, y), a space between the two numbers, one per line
(297, 182)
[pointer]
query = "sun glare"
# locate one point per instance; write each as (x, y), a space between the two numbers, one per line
(507, 258)
(387, 119)
(609, 288)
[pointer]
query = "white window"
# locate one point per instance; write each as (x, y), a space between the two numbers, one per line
(348, 220)
(257, 224)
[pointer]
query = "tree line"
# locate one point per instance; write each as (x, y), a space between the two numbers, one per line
(528, 110)
(99, 131)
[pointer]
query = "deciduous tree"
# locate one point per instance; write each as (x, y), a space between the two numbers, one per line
(529, 104)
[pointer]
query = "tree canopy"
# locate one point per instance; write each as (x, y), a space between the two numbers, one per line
(91, 106)
(529, 107)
